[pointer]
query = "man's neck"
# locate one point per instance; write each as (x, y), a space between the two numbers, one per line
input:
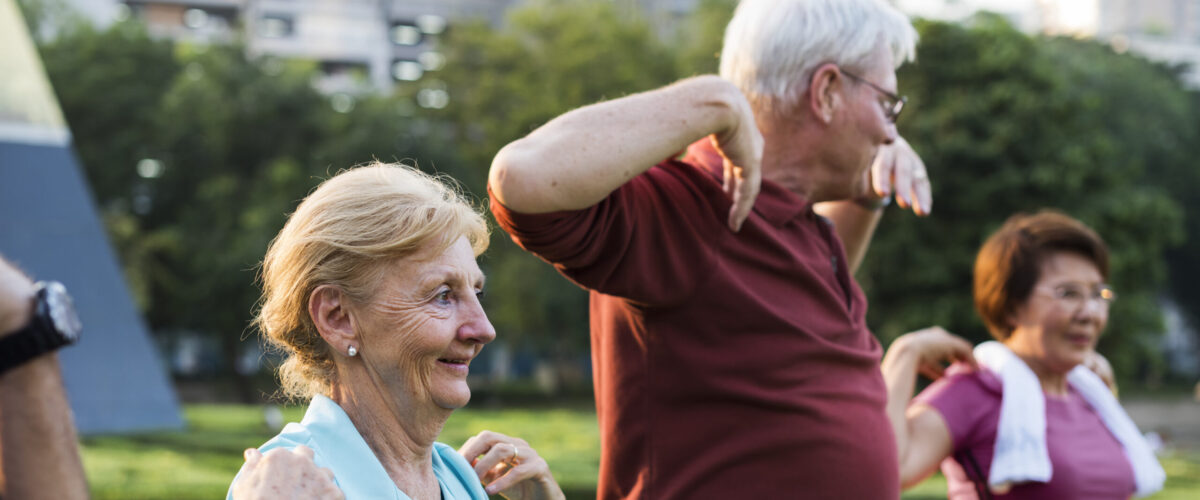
(789, 162)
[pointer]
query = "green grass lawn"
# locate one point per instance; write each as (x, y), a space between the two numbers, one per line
(200, 462)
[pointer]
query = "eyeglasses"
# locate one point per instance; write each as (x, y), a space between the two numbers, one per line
(1077, 294)
(894, 104)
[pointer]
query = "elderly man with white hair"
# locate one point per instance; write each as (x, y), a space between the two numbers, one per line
(731, 352)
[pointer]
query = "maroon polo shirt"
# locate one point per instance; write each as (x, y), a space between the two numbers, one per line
(727, 365)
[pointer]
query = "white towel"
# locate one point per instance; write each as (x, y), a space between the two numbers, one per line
(1021, 454)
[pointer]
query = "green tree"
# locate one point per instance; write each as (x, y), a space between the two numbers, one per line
(698, 41)
(550, 57)
(109, 84)
(238, 143)
(1008, 123)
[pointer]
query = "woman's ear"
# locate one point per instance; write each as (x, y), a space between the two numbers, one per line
(328, 308)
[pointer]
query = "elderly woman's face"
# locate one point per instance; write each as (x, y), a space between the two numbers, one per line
(1060, 323)
(425, 324)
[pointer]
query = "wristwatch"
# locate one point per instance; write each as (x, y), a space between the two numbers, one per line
(873, 203)
(53, 325)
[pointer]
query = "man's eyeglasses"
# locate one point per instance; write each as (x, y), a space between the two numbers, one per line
(1077, 294)
(894, 104)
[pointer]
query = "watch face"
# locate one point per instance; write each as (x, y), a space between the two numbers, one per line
(62, 311)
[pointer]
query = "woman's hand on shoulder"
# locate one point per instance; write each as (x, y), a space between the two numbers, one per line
(510, 467)
(1099, 365)
(284, 473)
(934, 348)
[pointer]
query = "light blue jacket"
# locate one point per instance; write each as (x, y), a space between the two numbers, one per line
(337, 445)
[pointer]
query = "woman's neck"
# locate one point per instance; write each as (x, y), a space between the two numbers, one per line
(1054, 382)
(401, 437)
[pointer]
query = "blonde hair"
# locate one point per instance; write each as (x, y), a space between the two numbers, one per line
(342, 234)
(772, 47)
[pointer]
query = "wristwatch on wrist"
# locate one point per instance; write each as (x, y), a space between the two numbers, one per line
(53, 325)
(873, 203)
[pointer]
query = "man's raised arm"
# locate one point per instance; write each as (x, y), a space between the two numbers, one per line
(577, 159)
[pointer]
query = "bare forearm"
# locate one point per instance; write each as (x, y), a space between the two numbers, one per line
(577, 159)
(900, 375)
(855, 225)
(40, 450)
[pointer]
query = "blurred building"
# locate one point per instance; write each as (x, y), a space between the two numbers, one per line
(360, 45)
(1163, 30)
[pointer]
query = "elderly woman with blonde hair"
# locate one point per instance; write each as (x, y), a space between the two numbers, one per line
(372, 291)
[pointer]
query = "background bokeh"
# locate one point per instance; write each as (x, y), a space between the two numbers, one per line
(196, 152)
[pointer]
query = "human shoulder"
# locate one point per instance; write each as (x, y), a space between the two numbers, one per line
(961, 387)
(292, 435)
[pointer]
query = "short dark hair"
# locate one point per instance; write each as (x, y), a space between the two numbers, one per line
(1009, 263)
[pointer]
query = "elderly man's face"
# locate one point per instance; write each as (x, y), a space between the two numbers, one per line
(425, 325)
(866, 123)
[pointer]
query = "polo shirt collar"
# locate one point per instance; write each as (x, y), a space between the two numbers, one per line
(774, 203)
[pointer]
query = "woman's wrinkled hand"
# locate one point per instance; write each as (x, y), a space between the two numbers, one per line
(510, 467)
(1099, 365)
(935, 348)
(283, 473)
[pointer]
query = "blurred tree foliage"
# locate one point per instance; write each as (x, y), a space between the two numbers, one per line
(237, 143)
(550, 57)
(1008, 123)
(1005, 122)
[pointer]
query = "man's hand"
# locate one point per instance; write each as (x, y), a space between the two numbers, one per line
(898, 170)
(283, 473)
(510, 467)
(16, 298)
(742, 148)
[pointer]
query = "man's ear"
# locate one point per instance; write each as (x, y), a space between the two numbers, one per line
(328, 308)
(825, 91)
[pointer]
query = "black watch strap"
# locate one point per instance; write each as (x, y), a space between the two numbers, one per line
(23, 345)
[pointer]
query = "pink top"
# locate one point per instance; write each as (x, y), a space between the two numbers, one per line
(1087, 459)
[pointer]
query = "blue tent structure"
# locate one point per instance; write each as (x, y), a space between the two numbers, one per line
(49, 227)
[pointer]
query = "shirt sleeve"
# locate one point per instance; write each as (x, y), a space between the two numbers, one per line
(649, 241)
(964, 400)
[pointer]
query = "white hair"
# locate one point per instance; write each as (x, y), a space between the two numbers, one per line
(772, 47)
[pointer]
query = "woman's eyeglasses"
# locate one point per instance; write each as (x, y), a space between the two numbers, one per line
(1077, 294)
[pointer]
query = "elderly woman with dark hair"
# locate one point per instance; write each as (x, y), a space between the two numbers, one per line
(1033, 422)
(372, 291)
